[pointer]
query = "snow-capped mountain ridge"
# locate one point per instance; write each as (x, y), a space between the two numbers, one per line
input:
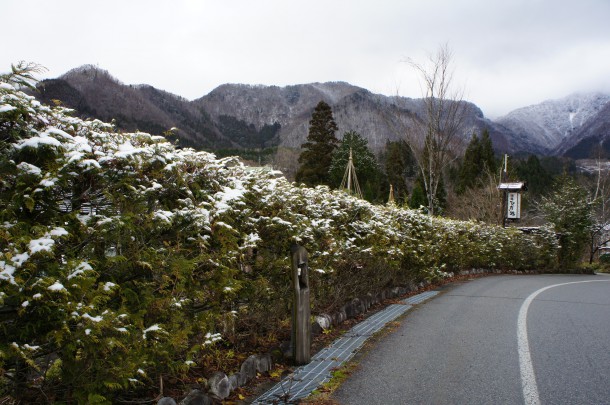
(260, 116)
(551, 122)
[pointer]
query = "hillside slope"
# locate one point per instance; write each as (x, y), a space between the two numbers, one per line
(245, 116)
(94, 93)
(546, 126)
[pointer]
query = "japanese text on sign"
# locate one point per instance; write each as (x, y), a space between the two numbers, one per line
(514, 206)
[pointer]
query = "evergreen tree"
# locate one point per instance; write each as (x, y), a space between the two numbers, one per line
(478, 159)
(470, 169)
(367, 168)
(316, 158)
(488, 158)
(538, 180)
(400, 165)
(569, 210)
(418, 196)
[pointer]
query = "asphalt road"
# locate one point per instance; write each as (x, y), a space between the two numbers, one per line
(468, 346)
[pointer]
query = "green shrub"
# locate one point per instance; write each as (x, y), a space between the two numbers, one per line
(124, 259)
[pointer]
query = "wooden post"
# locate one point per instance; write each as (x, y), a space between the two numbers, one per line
(301, 312)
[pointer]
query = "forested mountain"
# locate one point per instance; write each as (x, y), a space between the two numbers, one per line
(378, 118)
(554, 126)
(245, 116)
(94, 93)
(591, 139)
(238, 116)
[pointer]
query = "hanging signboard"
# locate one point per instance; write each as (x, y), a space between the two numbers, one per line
(514, 206)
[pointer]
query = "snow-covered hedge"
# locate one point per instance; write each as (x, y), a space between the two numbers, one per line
(123, 258)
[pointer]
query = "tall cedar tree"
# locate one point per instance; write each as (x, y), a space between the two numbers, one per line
(369, 175)
(478, 159)
(470, 169)
(539, 181)
(316, 158)
(400, 165)
(488, 157)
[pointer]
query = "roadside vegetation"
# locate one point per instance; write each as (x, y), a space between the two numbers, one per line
(126, 262)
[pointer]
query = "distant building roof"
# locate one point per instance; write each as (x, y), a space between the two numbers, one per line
(511, 186)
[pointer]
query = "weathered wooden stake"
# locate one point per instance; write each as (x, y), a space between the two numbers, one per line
(301, 312)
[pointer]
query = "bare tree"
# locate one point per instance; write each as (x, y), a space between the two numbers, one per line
(478, 204)
(22, 74)
(434, 137)
(600, 235)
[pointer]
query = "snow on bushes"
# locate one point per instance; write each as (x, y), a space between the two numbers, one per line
(123, 258)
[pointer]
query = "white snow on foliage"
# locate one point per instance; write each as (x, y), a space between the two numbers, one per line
(59, 133)
(37, 141)
(89, 163)
(41, 245)
(59, 232)
(80, 269)
(213, 208)
(20, 258)
(154, 328)
(29, 168)
(127, 149)
(48, 182)
(228, 195)
(164, 216)
(6, 108)
(57, 286)
(81, 144)
(108, 286)
(251, 240)
(46, 243)
(93, 318)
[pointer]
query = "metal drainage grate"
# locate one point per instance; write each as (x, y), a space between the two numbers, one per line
(307, 378)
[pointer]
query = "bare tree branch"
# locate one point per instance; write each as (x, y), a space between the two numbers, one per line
(434, 138)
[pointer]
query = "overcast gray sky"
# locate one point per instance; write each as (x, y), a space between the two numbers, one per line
(507, 53)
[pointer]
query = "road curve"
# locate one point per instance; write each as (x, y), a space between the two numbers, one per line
(468, 346)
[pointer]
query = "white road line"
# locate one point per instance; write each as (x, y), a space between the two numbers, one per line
(528, 377)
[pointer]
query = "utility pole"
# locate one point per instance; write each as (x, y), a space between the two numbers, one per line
(504, 196)
(511, 196)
